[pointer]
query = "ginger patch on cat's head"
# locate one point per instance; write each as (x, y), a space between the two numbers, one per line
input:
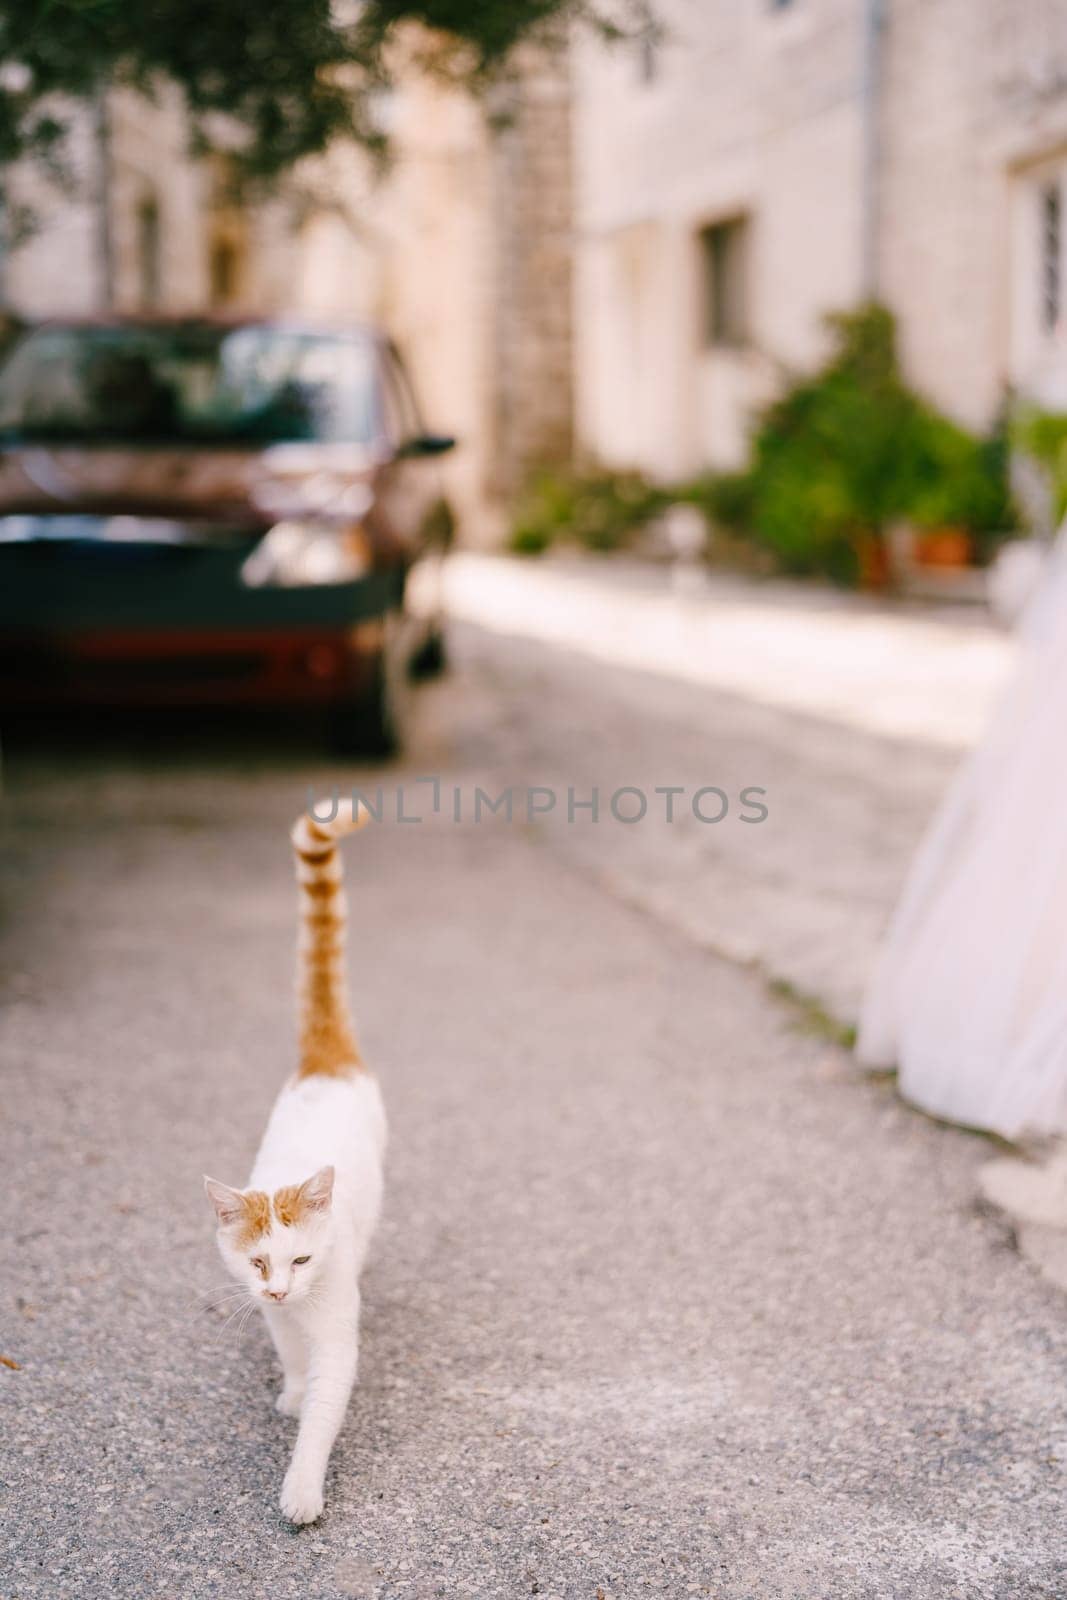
(297, 1202)
(275, 1245)
(247, 1212)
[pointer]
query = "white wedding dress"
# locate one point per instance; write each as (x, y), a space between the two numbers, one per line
(969, 996)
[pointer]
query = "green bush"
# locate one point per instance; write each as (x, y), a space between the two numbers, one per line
(843, 454)
(530, 538)
(727, 499)
(1043, 435)
(600, 510)
(835, 461)
(962, 482)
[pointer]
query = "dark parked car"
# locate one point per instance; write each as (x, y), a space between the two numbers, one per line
(203, 512)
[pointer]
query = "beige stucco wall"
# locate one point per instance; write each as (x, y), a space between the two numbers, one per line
(749, 111)
(57, 267)
(975, 92)
(761, 111)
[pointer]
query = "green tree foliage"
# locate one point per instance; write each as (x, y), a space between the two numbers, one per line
(294, 74)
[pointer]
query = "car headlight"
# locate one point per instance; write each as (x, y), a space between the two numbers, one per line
(298, 555)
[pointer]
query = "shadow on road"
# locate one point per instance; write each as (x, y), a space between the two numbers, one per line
(172, 737)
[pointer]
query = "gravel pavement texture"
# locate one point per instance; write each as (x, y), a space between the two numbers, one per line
(665, 1301)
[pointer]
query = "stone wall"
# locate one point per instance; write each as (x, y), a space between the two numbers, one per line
(531, 419)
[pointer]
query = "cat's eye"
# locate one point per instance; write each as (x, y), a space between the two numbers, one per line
(301, 1261)
(259, 1263)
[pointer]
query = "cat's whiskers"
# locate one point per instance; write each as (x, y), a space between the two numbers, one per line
(221, 1303)
(227, 1286)
(243, 1324)
(216, 1296)
(245, 1307)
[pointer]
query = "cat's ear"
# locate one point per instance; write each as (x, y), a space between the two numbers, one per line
(229, 1203)
(317, 1191)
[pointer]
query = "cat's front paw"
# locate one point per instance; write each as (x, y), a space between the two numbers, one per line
(301, 1497)
(289, 1402)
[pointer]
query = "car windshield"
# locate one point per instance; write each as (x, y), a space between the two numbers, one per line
(189, 383)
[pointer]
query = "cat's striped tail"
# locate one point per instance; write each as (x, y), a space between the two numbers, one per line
(327, 1038)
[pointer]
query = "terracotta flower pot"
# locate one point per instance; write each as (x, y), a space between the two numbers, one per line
(874, 566)
(944, 547)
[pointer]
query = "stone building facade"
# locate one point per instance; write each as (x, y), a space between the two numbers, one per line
(460, 248)
(532, 310)
(632, 247)
(769, 161)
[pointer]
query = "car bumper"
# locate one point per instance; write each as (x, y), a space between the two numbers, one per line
(188, 666)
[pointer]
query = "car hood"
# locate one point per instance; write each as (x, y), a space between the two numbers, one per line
(244, 486)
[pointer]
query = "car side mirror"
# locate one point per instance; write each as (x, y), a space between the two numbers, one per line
(427, 444)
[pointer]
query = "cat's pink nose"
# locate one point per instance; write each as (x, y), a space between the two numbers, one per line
(275, 1294)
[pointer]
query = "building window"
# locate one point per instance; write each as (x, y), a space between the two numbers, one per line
(149, 261)
(227, 259)
(222, 271)
(227, 235)
(1051, 255)
(724, 262)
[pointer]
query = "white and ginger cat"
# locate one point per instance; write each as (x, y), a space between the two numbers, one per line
(295, 1238)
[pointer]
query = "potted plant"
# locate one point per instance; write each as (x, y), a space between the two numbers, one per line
(960, 496)
(838, 459)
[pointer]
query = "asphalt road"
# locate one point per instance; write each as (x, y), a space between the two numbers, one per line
(665, 1300)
